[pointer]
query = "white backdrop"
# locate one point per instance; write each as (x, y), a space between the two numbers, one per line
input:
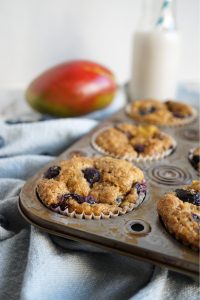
(36, 34)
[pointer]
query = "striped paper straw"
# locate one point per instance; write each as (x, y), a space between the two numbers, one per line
(166, 19)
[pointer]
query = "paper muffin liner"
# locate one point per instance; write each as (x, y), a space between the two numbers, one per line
(119, 211)
(183, 122)
(139, 158)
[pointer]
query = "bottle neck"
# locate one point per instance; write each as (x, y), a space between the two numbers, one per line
(147, 16)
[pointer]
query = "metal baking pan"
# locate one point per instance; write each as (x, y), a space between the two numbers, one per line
(138, 233)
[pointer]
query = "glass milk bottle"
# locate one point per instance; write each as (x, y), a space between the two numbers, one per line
(155, 55)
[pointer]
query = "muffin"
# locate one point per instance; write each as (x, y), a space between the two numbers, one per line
(99, 187)
(133, 142)
(169, 113)
(194, 158)
(180, 213)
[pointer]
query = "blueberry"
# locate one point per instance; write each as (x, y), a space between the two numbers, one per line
(152, 109)
(141, 187)
(91, 175)
(54, 206)
(119, 200)
(148, 110)
(197, 199)
(178, 115)
(139, 148)
(90, 199)
(52, 172)
(2, 142)
(196, 159)
(78, 198)
(171, 147)
(187, 196)
(63, 201)
(128, 135)
(181, 194)
(196, 218)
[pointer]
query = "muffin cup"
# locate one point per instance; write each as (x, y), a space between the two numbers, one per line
(120, 211)
(182, 123)
(128, 157)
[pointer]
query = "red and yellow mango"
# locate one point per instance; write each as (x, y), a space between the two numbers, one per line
(72, 89)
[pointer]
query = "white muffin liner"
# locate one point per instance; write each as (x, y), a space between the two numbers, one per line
(183, 122)
(139, 158)
(120, 211)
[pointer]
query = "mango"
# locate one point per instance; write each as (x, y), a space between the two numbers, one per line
(72, 89)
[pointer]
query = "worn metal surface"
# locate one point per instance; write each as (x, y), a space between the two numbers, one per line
(153, 244)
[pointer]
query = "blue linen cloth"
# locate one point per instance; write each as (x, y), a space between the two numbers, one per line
(36, 265)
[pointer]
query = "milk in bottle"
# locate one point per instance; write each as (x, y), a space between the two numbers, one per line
(155, 59)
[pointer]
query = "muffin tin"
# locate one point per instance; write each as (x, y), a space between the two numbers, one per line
(138, 233)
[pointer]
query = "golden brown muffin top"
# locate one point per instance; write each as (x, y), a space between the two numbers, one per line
(91, 185)
(180, 213)
(132, 141)
(168, 113)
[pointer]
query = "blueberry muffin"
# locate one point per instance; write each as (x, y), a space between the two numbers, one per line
(194, 157)
(169, 113)
(133, 142)
(180, 213)
(92, 187)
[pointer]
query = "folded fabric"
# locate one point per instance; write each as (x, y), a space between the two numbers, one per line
(36, 265)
